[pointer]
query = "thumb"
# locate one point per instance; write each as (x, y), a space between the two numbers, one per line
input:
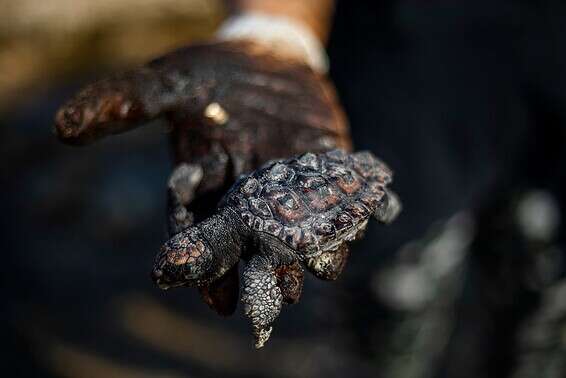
(126, 100)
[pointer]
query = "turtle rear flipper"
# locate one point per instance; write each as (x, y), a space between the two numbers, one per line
(329, 264)
(290, 279)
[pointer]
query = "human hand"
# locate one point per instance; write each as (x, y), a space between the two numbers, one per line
(232, 106)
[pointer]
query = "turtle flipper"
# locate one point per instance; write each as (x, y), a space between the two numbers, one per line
(222, 295)
(329, 264)
(262, 297)
(290, 280)
(390, 209)
(178, 217)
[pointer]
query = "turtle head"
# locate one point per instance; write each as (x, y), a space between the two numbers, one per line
(184, 260)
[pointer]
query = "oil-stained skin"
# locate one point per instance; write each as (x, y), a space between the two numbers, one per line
(231, 107)
(273, 108)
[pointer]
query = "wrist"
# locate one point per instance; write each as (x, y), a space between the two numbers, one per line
(283, 35)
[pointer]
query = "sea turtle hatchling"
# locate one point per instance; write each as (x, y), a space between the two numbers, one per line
(287, 214)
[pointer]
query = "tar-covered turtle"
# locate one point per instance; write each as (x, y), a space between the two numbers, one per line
(228, 105)
(288, 214)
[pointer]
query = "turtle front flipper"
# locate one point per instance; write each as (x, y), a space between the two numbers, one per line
(262, 297)
(388, 211)
(329, 264)
(222, 295)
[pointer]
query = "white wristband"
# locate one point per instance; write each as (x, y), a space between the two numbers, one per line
(278, 32)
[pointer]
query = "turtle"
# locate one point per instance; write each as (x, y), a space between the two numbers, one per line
(228, 106)
(282, 218)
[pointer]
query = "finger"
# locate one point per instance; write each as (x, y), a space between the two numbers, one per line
(109, 106)
(128, 99)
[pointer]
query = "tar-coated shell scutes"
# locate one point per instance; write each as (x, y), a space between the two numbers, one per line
(312, 203)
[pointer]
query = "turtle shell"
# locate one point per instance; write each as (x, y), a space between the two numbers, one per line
(314, 202)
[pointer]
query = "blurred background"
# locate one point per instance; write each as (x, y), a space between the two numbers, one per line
(466, 101)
